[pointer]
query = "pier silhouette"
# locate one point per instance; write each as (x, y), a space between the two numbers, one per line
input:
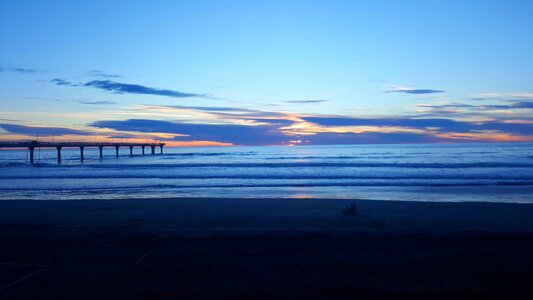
(31, 145)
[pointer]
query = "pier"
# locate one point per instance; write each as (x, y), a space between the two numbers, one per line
(31, 145)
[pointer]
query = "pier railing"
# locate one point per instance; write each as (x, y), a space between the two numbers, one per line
(31, 145)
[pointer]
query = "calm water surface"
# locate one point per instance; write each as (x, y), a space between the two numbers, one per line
(424, 172)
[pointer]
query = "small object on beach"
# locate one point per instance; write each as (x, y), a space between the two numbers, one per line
(140, 260)
(350, 210)
(377, 225)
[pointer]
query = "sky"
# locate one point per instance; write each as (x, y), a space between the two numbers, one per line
(203, 73)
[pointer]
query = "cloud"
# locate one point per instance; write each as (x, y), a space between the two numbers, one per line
(42, 131)
(408, 90)
(19, 70)
(321, 131)
(244, 126)
(88, 102)
(59, 81)
(97, 102)
(307, 101)
(353, 121)
(448, 122)
(519, 96)
(211, 108)
(328, 138)
(431, 124)
(44, 99)
(409, 138)
(511, 109)
(273, 121)
(218, 114)
(261, 135)
(525, 104)
(125, 88)
(226, 133)
(513, 104)
(100, 73)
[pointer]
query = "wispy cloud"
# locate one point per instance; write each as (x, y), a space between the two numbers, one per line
(44, 99)
(216, 114)
(311, 101)
(235, 134)
(409, 90)
(97, 102)
(525, 104)
(442, 125)
(88, 102)
(59, 81)
(19, 70)
(504, 96)
(329, 138)
(221, 110)
(100, 73)
(208, 108)
(507, 110)
(127, 88)
(512, 104)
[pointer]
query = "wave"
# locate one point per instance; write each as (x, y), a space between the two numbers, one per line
(12, 164)
(125, 166)
(319, 164)
(256, 185)
(335, 157)
(271, 177)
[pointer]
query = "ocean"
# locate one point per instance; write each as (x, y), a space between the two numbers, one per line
(489, 172)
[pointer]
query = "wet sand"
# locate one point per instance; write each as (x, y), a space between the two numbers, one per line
(264, 249)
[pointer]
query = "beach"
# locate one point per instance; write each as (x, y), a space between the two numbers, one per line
(226, 248)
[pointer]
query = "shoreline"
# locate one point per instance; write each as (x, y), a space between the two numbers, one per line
(270, 214)
(456, 194)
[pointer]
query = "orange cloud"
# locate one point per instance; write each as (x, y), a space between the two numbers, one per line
(485, 136)
(303, 127)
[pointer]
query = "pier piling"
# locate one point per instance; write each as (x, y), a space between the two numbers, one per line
(81, 153)
(31, 154)
(116, 149)
(101, 148)
(131, 150)
(58, 154)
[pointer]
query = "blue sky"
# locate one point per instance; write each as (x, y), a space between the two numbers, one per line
(190, 71)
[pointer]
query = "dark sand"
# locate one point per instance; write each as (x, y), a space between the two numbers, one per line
(265, 249)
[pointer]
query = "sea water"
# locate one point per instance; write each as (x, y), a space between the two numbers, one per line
(491, 172)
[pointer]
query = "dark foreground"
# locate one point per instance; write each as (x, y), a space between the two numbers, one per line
(295, 249)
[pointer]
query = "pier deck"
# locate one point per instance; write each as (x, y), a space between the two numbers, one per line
(31, 145)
